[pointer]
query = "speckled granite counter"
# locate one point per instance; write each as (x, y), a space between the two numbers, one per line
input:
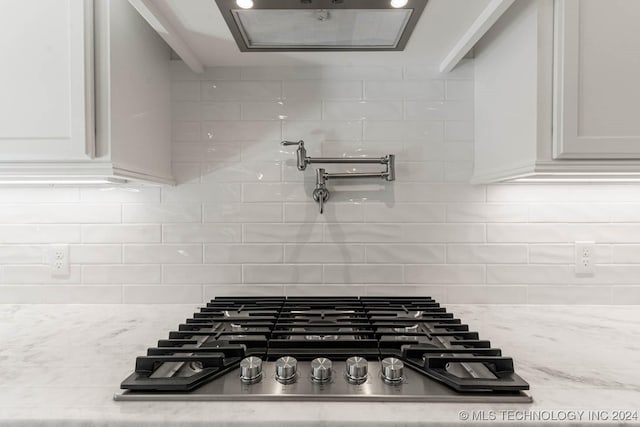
(61, 364)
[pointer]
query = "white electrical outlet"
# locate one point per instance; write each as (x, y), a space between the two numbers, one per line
(585, 259)
(59, 260)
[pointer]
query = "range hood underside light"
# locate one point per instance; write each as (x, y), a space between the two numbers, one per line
(321, 25)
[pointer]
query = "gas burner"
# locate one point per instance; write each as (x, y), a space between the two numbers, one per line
(368, 348)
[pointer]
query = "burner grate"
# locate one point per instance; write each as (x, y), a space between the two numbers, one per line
(420, 332)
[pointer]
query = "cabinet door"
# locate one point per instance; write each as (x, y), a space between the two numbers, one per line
(46, 80)
(597, 79)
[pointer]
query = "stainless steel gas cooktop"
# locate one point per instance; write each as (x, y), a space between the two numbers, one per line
(328, 348)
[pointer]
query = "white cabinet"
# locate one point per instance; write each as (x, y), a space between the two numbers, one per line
(597, 54)
(557, 93)
(46, 107)
(85, 93)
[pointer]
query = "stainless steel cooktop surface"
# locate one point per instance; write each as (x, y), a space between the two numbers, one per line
(328, 348)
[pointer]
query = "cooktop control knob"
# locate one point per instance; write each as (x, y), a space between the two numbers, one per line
(357, 368)
(321, 370)
(392, 370)
(251, 370)
(286, 368)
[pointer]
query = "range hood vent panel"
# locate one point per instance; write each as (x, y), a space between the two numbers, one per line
(321, 25)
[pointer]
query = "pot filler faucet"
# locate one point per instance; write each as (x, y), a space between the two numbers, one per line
(321, 193)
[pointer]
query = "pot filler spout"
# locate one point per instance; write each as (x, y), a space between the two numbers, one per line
(321, 193)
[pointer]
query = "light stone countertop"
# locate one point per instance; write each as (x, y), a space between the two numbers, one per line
(61, 365)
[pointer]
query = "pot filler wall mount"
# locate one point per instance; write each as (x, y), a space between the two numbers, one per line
(321, 193)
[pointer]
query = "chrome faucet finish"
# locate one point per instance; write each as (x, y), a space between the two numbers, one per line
(321, 193)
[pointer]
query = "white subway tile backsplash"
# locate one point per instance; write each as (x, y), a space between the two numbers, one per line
(369, 72)
(189, 193)
(161, 294)
(315, 132)
(268, 290)
(285, 273)
(240, 90)
(241, 130)
(22, 254)
(282, 110)
(363, 233)
(368, 273)
(438, 110)
(626, 254)
(563, 233)
(560, 254)
(325, 253)
(162, 254)
(95, 254)
(201, 233)
(241, 172)
(421, 131)
(206, 152)
(487, 254)
(203, 274)
(120, 233)
(40, 233)
(269, 151)
(549, 193)
(530, 274)
(274, 192)
(220, 73)
(30, 274)
(322, 90)
(432, 90)
(421, 171)
(282, 233)
(161, 212)
(280, 73)
(442, 274)
(184, 131)
(363, 110)
(334, 212)
(119, 194)
(220, 111)
(443, 233)
(503, 294)
(347, 290)
(404, 212)
(242, 212)
(106, 274)
(186, 172)
(11, 195)
(421, 192)
(478, 212)
(242, 253)
(569, 213)
(406, 254)
(623, 295)
(241, 221)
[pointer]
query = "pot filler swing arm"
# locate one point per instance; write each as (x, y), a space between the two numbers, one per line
(321, 193)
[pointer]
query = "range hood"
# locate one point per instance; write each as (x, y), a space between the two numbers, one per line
(321, 25)
(312, 33)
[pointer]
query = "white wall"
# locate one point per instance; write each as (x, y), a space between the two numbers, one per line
(242, 220)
